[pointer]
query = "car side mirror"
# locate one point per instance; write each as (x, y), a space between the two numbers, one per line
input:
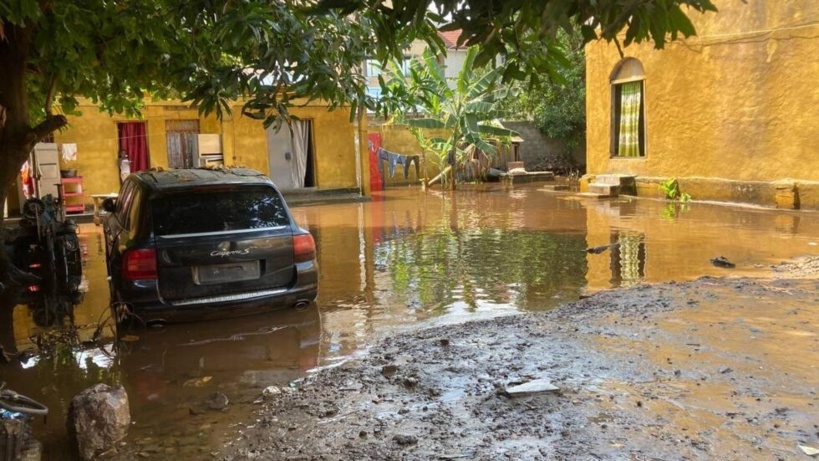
(109, 204)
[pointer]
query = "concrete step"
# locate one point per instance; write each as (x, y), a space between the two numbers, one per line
(607, 190)
(607, 179)
(555, 187)
(529, 177)
(591, 195)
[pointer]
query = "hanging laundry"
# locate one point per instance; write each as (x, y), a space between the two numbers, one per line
(394, 159)
(390, 157)
(27, 180)
(408, 160)
(69, 152)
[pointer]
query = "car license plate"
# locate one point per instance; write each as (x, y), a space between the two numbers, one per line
(221, 273)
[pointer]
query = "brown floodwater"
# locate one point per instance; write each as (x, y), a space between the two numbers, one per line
(409, 258)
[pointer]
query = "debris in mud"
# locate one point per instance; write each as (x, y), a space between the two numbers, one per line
(599, 249)
(722, 261)
(217, 401)
(271, 391)
(532, 387)
(456, 456)
(404, 439)
(197, 382)
(810, 451)
(389, 370)
(618, 381)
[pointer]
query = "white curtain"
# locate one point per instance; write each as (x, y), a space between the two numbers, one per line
(301, 138)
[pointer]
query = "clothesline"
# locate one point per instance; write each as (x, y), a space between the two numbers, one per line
(117, 139)
(394, 159)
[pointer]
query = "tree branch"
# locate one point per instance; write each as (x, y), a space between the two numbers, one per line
(51, 124)
(52, 89)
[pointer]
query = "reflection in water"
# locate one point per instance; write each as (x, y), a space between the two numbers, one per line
(628, 259)
(406, 259)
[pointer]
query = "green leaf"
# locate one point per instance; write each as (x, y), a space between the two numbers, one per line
(680, 21)
(427, 123)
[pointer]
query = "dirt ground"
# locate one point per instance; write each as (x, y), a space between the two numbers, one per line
(718, 368)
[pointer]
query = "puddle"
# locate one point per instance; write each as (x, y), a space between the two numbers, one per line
(406, 259)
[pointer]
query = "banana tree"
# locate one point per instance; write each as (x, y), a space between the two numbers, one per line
(466, 108)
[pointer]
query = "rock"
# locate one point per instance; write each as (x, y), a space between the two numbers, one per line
(405, 439)
(722, 261)
(98, 418)
(810, 451)
(389, 370)
(217, 401)
(270, 391)
(532, 387)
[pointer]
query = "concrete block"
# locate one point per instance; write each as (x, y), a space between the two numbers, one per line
(555, 187)
(608, 190)
(787, 196)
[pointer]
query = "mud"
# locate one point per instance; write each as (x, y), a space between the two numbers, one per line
(716, 368)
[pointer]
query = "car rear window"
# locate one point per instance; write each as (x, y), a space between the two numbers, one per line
(223, 210)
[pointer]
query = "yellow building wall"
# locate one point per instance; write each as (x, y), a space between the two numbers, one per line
(244, 143)
(739, 101)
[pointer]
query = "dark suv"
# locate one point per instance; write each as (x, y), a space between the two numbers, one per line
(198, 243)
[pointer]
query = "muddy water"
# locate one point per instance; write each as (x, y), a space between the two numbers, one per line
(406, 259)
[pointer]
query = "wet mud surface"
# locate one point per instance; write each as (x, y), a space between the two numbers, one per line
(716, 368)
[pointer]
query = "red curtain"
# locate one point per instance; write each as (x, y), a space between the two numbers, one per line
(133, 141)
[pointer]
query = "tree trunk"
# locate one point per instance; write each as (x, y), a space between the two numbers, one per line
(17, 136)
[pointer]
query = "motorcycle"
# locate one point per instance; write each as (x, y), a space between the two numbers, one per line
(16, 410)
(47, 248)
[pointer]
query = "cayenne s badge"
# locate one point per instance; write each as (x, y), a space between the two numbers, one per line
(223, 250)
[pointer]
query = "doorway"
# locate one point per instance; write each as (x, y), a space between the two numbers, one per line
(183, 143)
(133, 141)
(291, 155)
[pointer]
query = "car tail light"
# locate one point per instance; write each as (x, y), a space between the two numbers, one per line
(304, 248)
(139, 264)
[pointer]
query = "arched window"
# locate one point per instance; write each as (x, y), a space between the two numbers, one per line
(628, 120)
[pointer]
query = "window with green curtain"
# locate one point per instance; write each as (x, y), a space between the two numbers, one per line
(630, 111)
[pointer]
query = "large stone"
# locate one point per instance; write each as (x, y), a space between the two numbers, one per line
(98, 418)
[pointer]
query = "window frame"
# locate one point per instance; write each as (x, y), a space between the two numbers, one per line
(632, 68)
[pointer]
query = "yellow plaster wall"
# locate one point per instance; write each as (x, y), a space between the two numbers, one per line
(95, 134)
(335, 146)
(739, 101)
(398, 139)
(243, 142)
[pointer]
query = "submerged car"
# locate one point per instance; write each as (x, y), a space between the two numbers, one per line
(191, 244)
